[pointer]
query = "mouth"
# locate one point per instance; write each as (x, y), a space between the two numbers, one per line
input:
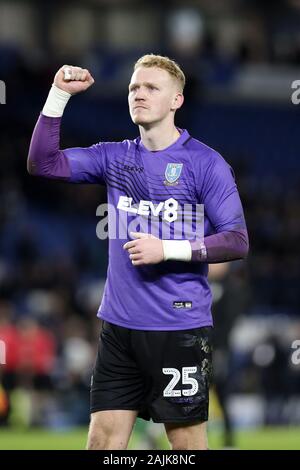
(140, 107)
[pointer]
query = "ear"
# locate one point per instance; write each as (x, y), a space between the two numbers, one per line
(177, 101)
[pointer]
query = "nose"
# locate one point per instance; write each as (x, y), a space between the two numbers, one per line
(140, 94)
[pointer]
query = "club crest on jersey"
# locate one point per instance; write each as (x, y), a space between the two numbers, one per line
(172, 173)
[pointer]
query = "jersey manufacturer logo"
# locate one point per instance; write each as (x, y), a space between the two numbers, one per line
(134, 168)
(172, 173)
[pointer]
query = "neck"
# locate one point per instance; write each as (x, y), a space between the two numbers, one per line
(159, 137)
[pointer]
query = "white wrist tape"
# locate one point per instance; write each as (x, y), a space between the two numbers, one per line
(56, 102)
(179, 250)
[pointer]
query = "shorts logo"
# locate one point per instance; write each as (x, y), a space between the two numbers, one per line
(172, 173)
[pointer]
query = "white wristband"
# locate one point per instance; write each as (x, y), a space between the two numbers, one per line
(179, 250)
(56, 102)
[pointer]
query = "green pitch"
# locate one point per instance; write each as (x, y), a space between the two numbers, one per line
(267, 438)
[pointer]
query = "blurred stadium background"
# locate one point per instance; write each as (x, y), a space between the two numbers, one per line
(240, 58)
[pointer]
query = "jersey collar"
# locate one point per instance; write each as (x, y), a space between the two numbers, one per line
(182, 139)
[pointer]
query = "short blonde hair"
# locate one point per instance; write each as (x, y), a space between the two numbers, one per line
(164, 63)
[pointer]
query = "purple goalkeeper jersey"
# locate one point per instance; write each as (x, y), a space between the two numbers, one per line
(171, 295)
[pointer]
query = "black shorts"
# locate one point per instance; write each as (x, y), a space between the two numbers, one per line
(164, 375)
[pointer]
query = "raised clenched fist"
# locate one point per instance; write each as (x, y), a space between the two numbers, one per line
(73, 79)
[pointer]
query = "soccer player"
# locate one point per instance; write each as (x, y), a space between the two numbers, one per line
(154, 357)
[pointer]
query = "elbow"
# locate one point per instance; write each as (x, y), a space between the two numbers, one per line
(244, 239)
(31, 167)
(51, 166)
(244, 253)
(239, 244)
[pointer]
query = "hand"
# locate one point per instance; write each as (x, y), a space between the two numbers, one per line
(74, 81)
(146, 249)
